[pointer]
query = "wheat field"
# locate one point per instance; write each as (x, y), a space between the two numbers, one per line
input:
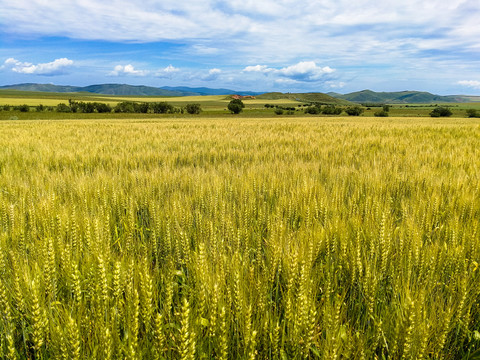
(301, 238)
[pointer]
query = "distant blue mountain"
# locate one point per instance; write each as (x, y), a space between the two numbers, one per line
(209, 91)
(127, 90)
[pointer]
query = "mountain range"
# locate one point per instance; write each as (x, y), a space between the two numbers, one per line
(364, 96)
(127, 90)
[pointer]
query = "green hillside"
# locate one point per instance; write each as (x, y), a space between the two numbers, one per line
(304, 97)
(399, 97)
(124, 90)
(104, 89)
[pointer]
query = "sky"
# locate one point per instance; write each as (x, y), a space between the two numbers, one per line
(258, 45)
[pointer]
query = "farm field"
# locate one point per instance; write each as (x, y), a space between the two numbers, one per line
(240, 238)
(212, 106)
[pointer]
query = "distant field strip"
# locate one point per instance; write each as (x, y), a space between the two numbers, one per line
(240, 238)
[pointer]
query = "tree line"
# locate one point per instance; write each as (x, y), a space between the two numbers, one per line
(98, 107)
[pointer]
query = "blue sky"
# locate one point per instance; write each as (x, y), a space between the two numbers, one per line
(259, 45)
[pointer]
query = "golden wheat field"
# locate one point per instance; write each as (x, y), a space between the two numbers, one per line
(274, 238)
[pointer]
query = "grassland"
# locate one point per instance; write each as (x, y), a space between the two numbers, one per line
(239, 238)
(212, 106)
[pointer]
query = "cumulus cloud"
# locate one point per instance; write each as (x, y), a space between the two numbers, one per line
(378, 38)
(130, 70)
(470, 83)
(56, 67)
(258, 68)
(122, 70)
(304, 71)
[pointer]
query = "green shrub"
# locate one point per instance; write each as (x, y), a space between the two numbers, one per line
(103, 108)
(381, 113)
(193, 109)
(331, 110)
(236, 106)
(441, 111)
(22, 108)
(354, 110)
(63, 108)
(162, 108)
(314, 110)
(472, 113)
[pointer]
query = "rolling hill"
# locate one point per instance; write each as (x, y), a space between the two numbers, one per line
(209, 91)
(125, 90)
(399, 97)
(305, 97)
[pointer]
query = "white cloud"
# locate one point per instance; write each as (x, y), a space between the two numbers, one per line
(122, 70)
(304, 71)
(171, 69)
(167, 73)
(470, 83)
(212, 74)
(56, 67)
(258, 68)
(286, 81)
(375, 39)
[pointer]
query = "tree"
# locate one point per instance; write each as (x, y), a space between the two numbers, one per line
(354, 110)
(141, 107)
(103, 108)
(472, 113)
(162, 108)
(124, 107)
(63, 108)
(88, 107)
(22, 108)
(314, 110)
(236, 106)
(441, 111)
(331, 110)
(193, 109)
(74, 105)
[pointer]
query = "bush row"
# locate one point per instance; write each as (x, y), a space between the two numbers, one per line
(97, 107)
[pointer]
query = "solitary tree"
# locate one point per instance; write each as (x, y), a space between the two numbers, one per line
(441, 111)
(236, 106)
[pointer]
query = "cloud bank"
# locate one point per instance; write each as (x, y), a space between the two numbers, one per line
(304, 71)
(56, 67)
(130, 70)
(389, 43)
